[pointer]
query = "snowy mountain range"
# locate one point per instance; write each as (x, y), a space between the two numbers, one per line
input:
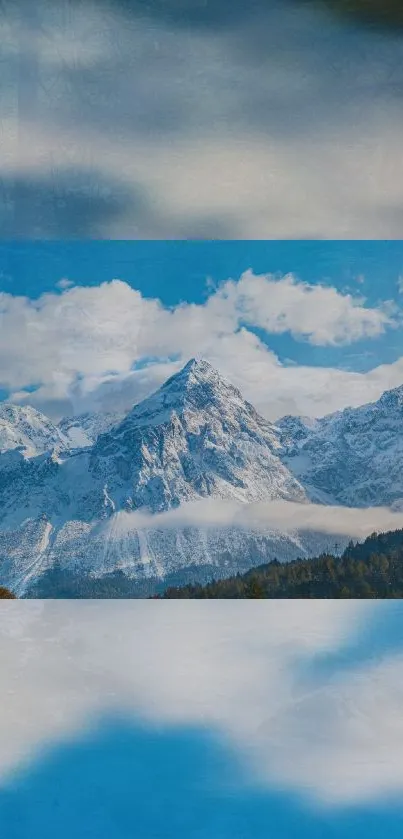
(353, 457)
(71, 494)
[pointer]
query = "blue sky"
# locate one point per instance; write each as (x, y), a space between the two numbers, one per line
(179, 271)
(198, 120)
(124, 779)
(201, 719)
(176, 300)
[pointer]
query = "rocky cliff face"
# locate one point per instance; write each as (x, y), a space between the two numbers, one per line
(353, 457)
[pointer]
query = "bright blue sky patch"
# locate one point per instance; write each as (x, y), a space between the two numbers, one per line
(177, 270)
(123, 780)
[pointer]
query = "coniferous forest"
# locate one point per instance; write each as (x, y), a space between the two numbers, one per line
(370, 569)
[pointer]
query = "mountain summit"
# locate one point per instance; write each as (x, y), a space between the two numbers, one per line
(90, 510)
(196, 386)
(195, 437)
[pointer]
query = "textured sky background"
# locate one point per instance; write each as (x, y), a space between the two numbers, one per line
(187, 719)
(198, 119)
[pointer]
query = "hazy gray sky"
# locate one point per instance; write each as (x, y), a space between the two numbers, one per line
(198, 120)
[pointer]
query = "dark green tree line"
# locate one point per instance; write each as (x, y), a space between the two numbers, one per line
(371, 569)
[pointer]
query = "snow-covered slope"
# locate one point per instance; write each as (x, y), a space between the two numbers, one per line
(195, 438)
(75, 502)
(83, 429)
(352, 457)
(25, 429)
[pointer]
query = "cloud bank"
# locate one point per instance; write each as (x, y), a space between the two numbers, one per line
(263, 516)
(108, 346)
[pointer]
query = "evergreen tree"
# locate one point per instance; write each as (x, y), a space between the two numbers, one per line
(371, 569)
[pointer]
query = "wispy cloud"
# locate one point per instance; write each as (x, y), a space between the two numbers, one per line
(264, 516)
(64, 283)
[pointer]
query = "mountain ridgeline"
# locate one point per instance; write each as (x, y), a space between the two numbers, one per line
(107, 504)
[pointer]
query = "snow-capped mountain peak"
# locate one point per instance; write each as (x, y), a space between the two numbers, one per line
(27, 430)
(192, 438)
(194, 388)
(69, 494)
(352, 457)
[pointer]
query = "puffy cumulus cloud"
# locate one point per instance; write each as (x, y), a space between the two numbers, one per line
(245, 671)
(318, 313)
(108, 346)
(263, 516)
(83, 331)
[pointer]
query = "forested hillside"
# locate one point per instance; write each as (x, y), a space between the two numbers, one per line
(370, 569)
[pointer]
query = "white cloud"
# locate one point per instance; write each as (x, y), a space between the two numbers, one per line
(79, 346)
(285, 516)
(64, 283)
(318, 313)
(236, 668)
(344, 741)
